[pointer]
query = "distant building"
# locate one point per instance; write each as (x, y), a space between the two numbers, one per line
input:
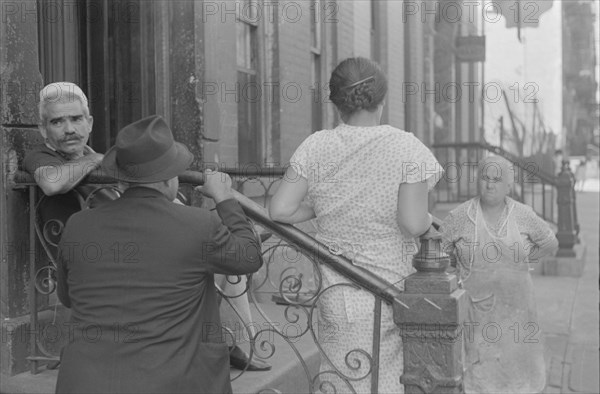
(580, 83)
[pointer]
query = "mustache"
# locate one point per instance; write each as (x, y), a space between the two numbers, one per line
(72, 138)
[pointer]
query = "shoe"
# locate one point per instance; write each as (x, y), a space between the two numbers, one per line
(53, 365)
(239, 359)
(265, 236)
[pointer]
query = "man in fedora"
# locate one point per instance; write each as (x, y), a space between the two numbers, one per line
(138, 275)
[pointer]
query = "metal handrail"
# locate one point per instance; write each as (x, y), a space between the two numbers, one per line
(430, 263)
(311, 246)
(543, 175)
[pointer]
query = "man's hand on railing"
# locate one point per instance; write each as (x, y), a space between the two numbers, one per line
(217, 185)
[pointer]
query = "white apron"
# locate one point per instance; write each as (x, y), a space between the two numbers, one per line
(503, 342)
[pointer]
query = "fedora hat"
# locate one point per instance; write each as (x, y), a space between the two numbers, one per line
(145, 152)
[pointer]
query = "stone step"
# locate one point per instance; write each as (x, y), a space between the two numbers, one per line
(288, 373)
(293, 362)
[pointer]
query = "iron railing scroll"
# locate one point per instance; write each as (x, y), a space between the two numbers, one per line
(533, 186)
(297, 285)
(46, 223)
(302, 299)
(551, 197)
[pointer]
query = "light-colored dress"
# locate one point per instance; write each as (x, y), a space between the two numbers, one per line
(353, 178)
(503, 342)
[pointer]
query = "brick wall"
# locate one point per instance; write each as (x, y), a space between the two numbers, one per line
(397, 46)
(390, 51)
(362, 27)
(414, 108)
(294, 77)
(220, 79)
(402, 45)
(345, 30)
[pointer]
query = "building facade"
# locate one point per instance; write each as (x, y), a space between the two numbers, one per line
(580, 80)
(242, 84)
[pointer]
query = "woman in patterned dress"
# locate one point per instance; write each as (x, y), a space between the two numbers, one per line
(493, 239)
(366, 185)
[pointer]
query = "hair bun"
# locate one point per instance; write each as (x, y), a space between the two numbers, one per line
(360, 97)
(357, 84)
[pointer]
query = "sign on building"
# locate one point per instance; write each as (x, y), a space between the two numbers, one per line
(470, 49)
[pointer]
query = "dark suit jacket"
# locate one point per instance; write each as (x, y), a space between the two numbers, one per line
(137, 274)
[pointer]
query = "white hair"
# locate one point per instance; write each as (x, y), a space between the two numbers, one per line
(61, 92)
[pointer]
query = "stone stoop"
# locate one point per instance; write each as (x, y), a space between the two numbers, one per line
(42, 383)
(288, 373)
(566, 266)
(286, 376)
(16, 338)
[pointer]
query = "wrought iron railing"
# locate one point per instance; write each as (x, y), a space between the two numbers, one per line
(533, 186)
(299, 289)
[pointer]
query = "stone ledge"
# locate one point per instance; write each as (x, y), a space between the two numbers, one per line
(563, 266)
(16, 339)
(287, 375)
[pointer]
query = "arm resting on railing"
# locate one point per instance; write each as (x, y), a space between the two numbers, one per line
(288, 205)
(54, 178)
(412, 215)
(366, 279)
(307, 244)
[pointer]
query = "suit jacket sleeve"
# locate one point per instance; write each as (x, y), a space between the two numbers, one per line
(234, 249)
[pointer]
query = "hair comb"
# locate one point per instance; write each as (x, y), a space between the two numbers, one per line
(367, 79)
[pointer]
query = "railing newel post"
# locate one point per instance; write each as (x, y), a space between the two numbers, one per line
(430, 315)
(568, 228)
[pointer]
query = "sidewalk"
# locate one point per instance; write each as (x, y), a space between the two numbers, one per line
(568, 310)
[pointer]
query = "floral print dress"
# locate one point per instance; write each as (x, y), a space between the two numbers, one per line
(353, 178)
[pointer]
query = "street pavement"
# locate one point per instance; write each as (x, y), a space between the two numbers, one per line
(568, 310)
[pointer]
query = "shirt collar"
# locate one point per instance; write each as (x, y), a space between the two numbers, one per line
(142, 192)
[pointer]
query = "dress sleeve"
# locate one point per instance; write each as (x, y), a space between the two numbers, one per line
(421, 165)
(300, 160)
(535, 228)
(38, 158)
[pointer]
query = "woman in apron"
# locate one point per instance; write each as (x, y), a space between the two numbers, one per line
(495, 240)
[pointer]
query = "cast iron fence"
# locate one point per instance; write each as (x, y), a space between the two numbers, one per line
(298, 288)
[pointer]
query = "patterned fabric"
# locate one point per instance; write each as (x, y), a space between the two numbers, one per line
(353, 178)
(458, 229)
